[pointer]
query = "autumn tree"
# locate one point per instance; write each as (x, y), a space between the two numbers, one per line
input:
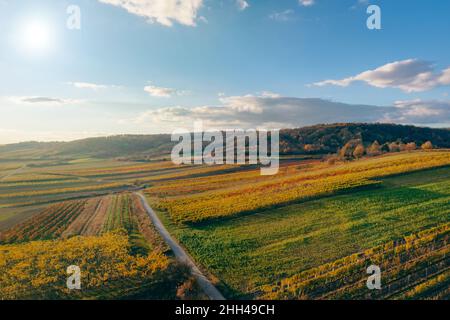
(385, 148)
(359, 151)
(427, 145)
(311, 147)
(394, 147)
(411, 146)
(374, 149)
(348, 149)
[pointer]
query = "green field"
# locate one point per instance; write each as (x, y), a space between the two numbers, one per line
(262, 248)
(312, 218)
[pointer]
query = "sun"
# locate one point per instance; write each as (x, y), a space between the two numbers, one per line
(36, 36)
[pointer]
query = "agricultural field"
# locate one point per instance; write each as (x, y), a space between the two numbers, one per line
(27, 187)
(417, 262)
(308, 232)
(33, 270)
(284, 188)
(255, 252)
(110, 237)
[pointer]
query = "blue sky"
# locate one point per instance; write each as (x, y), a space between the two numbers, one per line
(157, 66)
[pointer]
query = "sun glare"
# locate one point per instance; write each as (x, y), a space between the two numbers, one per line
(36, 36)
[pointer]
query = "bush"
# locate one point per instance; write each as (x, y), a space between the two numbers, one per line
(374, 149)
(332, 160)
(394, 147)
(411, 146)
(359, 151)
(190, 290)
(427, 145)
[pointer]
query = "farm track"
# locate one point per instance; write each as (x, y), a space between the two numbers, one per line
(207, 286)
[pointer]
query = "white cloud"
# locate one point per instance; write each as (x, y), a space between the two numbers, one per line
(360, 3)
(306, 3)
(282, 16)
(242, 4)
(419, 112)
(239, 104)
(87, 85)
(250, 111)
(161, 92)
(203, 19)
(164, 12)
(410, 75)
(269, 94)
(40, 100)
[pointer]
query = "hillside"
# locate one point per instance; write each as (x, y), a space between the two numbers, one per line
(319, 139)
(330, 138)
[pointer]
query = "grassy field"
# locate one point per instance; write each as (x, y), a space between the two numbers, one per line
(259, 236)
(415, 267)
(248, 252)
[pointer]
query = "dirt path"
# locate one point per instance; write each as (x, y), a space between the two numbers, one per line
(182, 256)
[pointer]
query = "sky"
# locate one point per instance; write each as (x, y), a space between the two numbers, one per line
(154, 66)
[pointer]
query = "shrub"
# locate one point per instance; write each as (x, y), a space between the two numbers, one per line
(411, 146)
(374, 149)
(427, 145)
(359, 151)
(394, 147)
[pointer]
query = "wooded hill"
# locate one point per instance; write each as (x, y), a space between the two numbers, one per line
(318, 139)
(327, 139)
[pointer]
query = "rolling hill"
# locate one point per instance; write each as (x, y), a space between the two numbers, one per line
(321, 139)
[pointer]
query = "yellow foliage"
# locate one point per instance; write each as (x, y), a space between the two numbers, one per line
(283, 189)
(38, 269)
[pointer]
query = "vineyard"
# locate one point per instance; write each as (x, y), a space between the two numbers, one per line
(126, 212)
(309, 232)
(50, 224)
(110, 238)
(410, 269)
(23, 188)
(37, 270)
(285, 189)
(260, 250)
(90, 217)
(214, 181)
(106, 186)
